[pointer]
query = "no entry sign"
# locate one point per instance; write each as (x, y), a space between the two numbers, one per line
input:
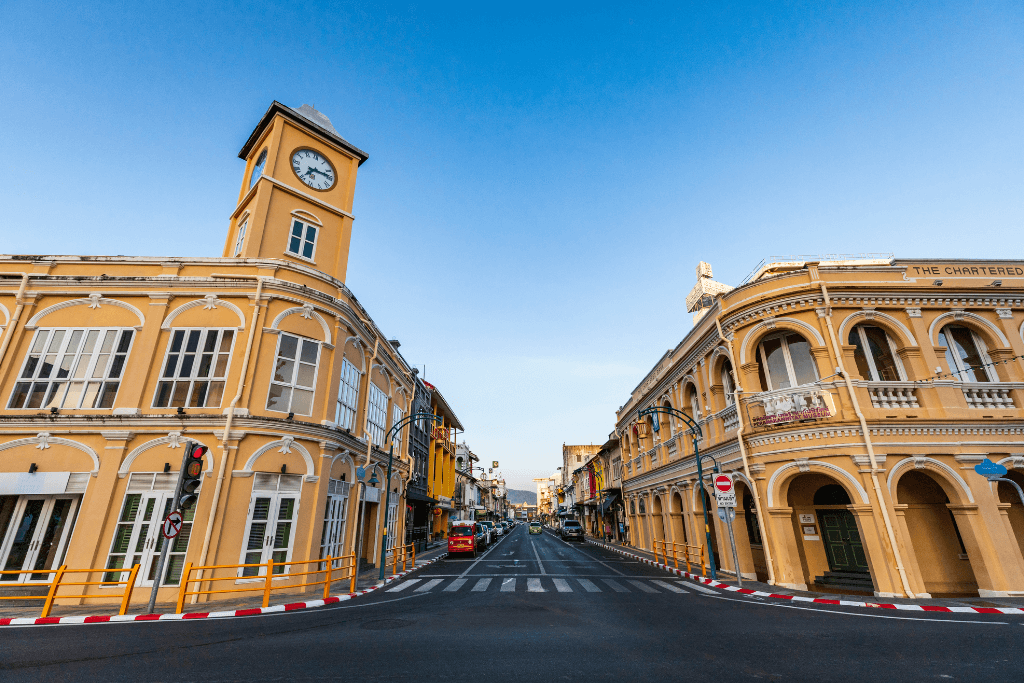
(725, 493)
(172, 525)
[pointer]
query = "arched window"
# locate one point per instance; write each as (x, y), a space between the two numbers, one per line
(966, 354)
(669, 420)
(728, 387)
(785, 361)
(876, 355)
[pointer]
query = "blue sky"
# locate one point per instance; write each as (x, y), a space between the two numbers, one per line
(543, 177)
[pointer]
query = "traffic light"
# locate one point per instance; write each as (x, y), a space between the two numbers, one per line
(192, 475)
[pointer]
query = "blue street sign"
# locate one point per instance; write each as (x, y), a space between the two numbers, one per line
(655, 422)
(987, 468)
(360, 473)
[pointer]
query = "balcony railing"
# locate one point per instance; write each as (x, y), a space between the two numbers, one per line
(730, 418)
(986, 395)
(795, 404)
(890, 395)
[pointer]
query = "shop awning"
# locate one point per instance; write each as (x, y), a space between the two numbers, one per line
(413, 494)
(608, 502)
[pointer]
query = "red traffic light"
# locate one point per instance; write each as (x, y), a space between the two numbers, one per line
(198, 452)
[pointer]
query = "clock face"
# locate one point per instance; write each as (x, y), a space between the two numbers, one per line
(313, 169)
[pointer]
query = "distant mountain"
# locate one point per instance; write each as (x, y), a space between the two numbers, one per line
(518, 496)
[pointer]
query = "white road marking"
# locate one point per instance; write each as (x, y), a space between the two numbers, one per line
(482, 585)
(857, 614)
(402, 586)
(701, 589)
(455, 585)
(537, 555)
(589, 586)
(533, 586)
(642, 586)
(562, 586)
(670, 586)
(616, 586)
(508, 585)
(428, 585)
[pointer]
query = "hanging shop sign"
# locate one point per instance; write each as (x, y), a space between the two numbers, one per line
(795, 405)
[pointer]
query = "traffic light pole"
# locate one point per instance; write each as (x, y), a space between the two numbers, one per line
(166, 543)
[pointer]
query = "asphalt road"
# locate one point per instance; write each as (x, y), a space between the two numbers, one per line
(532, 608)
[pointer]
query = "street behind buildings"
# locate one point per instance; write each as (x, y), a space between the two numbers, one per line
(573, 611)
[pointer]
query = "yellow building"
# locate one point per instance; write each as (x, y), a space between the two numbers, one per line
(441, 470)
(109, 364)
(851, 399)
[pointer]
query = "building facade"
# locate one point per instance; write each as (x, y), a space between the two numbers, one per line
(851, 400)
(108, 365)
(442, 473)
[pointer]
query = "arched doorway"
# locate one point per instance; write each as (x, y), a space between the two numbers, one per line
(828, 537)
(942, 559)
(676, 518)
(657, 519)
(646, 531)
(712, 525)
(1008, 495)
(749, 525)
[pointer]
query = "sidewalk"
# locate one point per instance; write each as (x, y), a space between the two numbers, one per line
(728, 578)
(140, 597)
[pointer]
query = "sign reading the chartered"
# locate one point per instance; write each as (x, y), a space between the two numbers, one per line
(967, 271)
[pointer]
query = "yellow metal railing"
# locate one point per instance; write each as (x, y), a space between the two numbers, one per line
(59, 580)
(690, 553)
(408, 554)
(274, 571)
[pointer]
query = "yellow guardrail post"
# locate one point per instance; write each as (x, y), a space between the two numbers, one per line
(327, 579)
(183, 587)
(127, 597)
(48, 604)
(703, 565)
(267, 584)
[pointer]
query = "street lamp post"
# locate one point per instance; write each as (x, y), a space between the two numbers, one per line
(694, 428)
(395, 429)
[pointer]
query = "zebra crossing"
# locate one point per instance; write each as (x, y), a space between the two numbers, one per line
(542, 584)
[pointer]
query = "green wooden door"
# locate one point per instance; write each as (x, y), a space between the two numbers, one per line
(843, 546)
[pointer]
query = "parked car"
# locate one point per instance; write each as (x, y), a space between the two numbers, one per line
(491, 535)
(536, 528)
(571, 529)
(498, 529)
(463, 539)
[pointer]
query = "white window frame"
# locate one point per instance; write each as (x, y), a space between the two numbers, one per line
(157, 487)
(866, 349)
(193, 379)
(257, 169)
(303, 239)
(728, 386)
(393, 499)
(43, 339)
(959, 368)
(32, 575)
(332, 537)
(291, 385)
(790, 370)
(348, 396)
(376, 414)
(267, 548)
(240, 239)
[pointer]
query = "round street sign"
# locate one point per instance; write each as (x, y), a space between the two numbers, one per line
(172, 525)
(723, 482)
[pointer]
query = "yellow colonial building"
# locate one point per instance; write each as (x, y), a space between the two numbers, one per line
(109, 364)
(851, 398)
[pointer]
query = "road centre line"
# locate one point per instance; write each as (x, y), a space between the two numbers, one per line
(537, 555)
(857, 614)
(595, 559)
(479, 559)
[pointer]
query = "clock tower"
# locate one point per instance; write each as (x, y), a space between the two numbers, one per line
(295, 202)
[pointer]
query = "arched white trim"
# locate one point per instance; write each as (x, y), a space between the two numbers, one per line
(382, 370)
(834, 470)
(172, 440)
(308, 313)
(927, 463)
(44, 440)
(7, 316)
(358, 345)
(908, 336)
(345, 457)
(966, 315)
(92, 301)
(286, 445)
(719, 351)
(306, 216)
(754, 335)
(210, 301)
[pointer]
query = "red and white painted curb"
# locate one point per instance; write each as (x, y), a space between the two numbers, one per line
(821, 601)
(254, 611)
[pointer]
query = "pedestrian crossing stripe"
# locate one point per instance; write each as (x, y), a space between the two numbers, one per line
(538, 585)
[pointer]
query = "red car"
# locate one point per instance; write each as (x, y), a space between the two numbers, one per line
(463, 539)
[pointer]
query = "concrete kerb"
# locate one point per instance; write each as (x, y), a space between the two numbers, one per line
(798, 598)
(254, 611)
